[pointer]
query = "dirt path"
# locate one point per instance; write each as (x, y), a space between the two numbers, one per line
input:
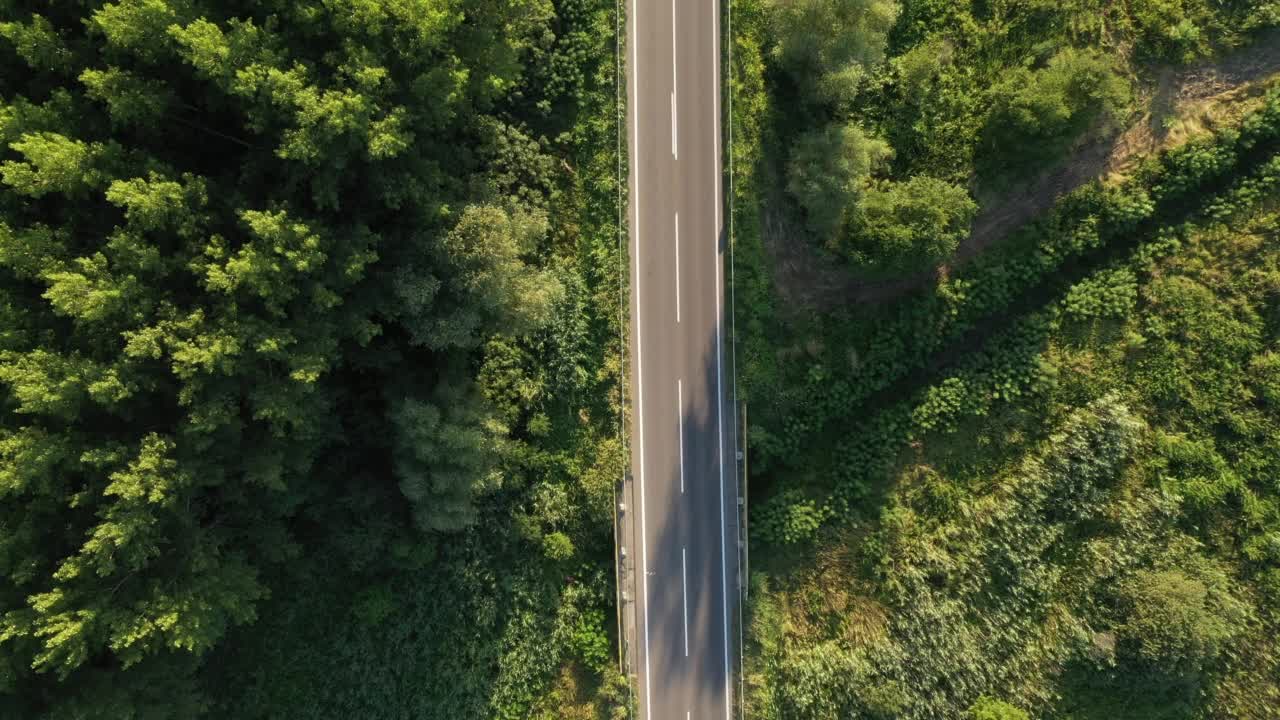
(1182, 103)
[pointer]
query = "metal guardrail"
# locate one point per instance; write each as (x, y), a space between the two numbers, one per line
(740, 446)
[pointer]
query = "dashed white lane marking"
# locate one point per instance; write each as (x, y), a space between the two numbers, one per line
(684, 596)
(675, 133)
(675, 130)
(680, 428)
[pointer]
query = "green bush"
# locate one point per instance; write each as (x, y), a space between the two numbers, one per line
(1171, 29)
(1181, 619)
(987, 708)
(1109, 294)
(1036, 113)
(557, 546)
(828, 172)
(908, 225)
(826, 46)
(591, 641)
(789, 518)
(1266, 377)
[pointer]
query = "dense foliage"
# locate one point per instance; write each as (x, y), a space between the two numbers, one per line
(832, 169)
(828, 66)
(1043, 485)
(828, 170)
(966, 98)
(1039, 111)
(886, 349)
(1123, 559)
(908, 224)
(307, 323)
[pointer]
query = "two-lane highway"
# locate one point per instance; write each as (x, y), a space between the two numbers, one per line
(682, 431)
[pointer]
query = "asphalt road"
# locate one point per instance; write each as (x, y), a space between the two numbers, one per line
(682, 427)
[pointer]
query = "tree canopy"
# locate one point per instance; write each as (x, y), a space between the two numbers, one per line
(252, 257)
(1038, 111)
(829, 171)
(828, 65)
(910, 224)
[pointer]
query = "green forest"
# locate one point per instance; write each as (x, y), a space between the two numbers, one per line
(1008, 310)
(312, 360)
(309, 359)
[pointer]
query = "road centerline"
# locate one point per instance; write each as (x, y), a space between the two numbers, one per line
(675, 86)
(684, 597)
(675, 129)
(680, 428)
(677, 267)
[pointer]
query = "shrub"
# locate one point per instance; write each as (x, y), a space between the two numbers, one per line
(987, 708)
(789, 518)
(828, 171)
(1108, 294)
(906, 225)
(557, 546)
(1265, 371)
(1036, 113)
(1168, 29)
(1087, 457)
(825, 45)
(1179, 620)
(590, 640)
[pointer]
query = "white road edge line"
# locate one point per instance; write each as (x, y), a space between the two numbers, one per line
(684, 597)
(644, 539)
(677, 267)
(724, 582)
(680, 425)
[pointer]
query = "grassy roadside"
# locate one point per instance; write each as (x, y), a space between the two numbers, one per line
(754, 308)
(888, 612)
